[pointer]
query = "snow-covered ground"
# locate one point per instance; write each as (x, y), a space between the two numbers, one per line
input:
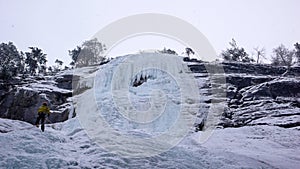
(66, 145)
(110, 132)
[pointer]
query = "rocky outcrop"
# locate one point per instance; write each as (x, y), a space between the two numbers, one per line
(21, 96)
(273, 103)
(65, 81)
(20, 100)
(256, 94)
(243, 68)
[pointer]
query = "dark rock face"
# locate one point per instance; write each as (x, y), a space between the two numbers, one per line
(256, 94)
(244, 68)
(21, 97)
(243, 81)
(65, 81)
(277, 88)
(21, 100)
(271, 103)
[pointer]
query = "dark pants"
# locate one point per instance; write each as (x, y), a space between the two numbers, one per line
(41, 118)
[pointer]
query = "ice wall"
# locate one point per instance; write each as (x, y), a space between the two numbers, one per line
(161, 111)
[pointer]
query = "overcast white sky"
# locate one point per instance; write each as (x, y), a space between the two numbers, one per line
(57, 26)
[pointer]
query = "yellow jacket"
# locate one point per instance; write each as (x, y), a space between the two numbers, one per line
(43, 109)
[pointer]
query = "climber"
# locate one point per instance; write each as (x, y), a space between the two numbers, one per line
(42, 112)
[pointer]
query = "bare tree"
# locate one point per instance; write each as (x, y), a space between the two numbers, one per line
(297, 51)
(259, 53)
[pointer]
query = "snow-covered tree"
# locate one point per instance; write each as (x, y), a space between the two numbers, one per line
(74, 55)
(297, 51)
(21, 63)
(168, 51)
(282, 56)
(189, 51)
(50, 69)
(10, 59)
(66, 68)
(89, 53)
(35, 59)
(236, 53)
(59, 64)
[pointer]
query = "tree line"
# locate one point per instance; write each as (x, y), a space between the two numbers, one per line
(34, 61)
(91, 52)
(281, 55)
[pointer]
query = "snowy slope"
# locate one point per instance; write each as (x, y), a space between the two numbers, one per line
(92, 139)
(68, 146)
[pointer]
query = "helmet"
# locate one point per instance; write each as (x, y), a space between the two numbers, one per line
(44, 103)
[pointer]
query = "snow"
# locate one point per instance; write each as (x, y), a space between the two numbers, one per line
(83, 71)
(66, 145)
(276, 146)
(106, 134)
(44, 88)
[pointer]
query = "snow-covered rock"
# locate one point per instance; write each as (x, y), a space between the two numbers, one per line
(21, 97)
(21, 100)
(257, 94)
